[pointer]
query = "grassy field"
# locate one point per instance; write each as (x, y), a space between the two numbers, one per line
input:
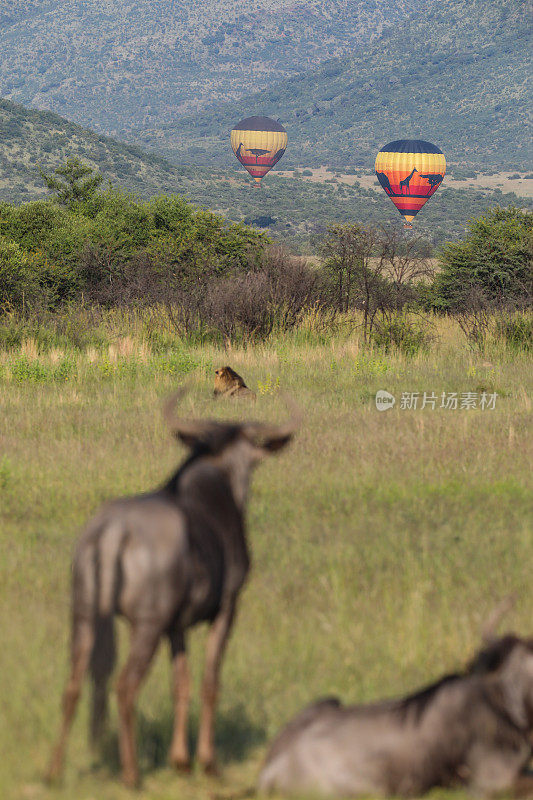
(506, 181)
(380, 541)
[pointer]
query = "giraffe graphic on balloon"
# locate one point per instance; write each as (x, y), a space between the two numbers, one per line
(397, 170)
(433, 179)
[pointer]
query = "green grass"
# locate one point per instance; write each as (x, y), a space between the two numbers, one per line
(380, 541)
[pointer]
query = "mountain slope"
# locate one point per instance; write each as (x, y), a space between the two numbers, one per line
(13, 11)
(457, 75)
(292, 208)
(123, 65)
(29, 139)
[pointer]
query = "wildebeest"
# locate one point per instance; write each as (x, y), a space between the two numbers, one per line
(165, 561)
(472, 729)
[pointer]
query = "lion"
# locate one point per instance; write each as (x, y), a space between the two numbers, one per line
(229, 384)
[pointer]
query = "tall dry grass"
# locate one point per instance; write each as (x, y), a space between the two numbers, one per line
(380, 541)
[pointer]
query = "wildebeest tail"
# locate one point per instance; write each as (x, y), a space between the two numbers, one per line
(108, 567)
(101, 666)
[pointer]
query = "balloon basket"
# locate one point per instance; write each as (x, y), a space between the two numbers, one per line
(408, 226)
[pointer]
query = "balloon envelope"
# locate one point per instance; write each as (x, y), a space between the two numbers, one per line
(410, 171)
(258, 143)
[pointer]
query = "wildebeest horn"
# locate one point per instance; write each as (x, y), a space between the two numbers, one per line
(261, 431)
(179, 426)
(266, 430)
(488, 632)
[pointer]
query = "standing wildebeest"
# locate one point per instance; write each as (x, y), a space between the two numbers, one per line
(473, 730)
(166, 560)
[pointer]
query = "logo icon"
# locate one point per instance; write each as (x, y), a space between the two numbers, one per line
(384, 400)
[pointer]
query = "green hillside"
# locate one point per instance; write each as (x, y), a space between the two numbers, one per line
(121, 67)
(456, 75)
(13, 11)
(29, 139)
(292, 208)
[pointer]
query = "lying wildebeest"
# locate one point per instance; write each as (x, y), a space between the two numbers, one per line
(472, 729)
(165, 561)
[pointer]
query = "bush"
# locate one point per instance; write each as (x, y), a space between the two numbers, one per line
(253, 305)
(114, 249)
(493, 262)
(25, 370)
(516, 331)
(20, 283)
(402, 333)
(31, 223)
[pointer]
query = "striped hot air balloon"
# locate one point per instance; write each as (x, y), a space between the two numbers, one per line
(410, 171)
(258, 143)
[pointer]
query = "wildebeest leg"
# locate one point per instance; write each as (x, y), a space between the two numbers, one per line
(82, 644)
(144, 640)
(101, 667)
(181, 685)
(216, 642)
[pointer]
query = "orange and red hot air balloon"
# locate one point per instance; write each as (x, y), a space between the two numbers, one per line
(258, 143)
(410, 171)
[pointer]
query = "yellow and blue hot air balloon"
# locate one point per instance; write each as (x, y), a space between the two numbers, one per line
(258, 143)
(410, 171)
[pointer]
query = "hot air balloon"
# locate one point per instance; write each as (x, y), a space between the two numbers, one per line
(410, 171)
(258, 143)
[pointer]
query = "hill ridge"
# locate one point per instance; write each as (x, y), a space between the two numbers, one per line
(475, 85)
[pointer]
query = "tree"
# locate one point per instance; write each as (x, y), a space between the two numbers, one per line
(374, 269)
(74, 182)
(347, 251)
(19, 278)
(492, 267)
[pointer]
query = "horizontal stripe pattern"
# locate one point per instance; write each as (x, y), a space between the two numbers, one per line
(408, 176)
(258, 151)
(408, 215)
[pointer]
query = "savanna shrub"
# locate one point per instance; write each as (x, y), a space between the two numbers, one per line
(370, 365)
(493, 262)
(402, 333)
(12, 333)
(30, 224)
(516, 330)
(20, 283)
(113, 249)
(26, 370)
(262, 300)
